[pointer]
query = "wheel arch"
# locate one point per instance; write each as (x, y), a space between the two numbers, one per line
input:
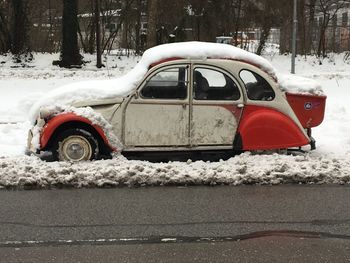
(70, 121)
(266, 129)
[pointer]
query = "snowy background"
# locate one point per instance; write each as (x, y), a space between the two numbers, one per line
(21, 87)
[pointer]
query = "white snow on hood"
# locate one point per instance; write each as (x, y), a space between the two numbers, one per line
(123, 86)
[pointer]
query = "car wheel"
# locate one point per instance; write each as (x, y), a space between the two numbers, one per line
(75, 145)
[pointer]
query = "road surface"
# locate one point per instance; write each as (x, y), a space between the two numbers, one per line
(288, 223)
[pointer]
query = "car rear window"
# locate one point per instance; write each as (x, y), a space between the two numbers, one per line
(256, 86)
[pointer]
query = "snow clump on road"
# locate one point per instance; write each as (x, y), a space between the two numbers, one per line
(29, 172)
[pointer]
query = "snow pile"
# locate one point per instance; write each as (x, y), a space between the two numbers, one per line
(21, 87)
(300, 85)
(13, 138)
(85, 112)
(123, 86)
(244, 169)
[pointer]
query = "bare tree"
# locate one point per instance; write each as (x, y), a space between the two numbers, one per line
(263, 14)
(70, 56)
(152, 23)
(5, 34)
(302, 27)
(237, 19)
(20, 43)
(328, 10)
(121, 21)
(310, 25)
(87, 26)
(138, 17)
(98, 33)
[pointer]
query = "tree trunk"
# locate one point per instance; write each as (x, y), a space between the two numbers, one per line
(310, 27)
(285, 37)
(152, 23)
(301, 31)
(263, 38)
(70, 56)
(334, 31)
(125, 27)
(138, 27)
(19, 27)
(267, 23)
(5, 36)
(98, 34)
(321, 40)
(91, 31)
(237, 24)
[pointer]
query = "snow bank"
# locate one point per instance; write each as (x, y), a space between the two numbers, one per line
(244, 169)
(106, 89)
(13, 138)
(300, 85)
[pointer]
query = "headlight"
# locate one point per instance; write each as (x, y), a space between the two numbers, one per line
(41, 115)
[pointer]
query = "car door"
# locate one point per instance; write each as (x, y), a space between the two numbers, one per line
(216, 107)
(159, 115)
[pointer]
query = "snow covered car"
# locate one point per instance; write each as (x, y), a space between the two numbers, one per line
(180, 97)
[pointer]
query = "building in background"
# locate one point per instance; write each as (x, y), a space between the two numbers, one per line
(337, 35)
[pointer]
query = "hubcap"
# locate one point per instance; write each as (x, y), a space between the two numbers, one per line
(75, 148)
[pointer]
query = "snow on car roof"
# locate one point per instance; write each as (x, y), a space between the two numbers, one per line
(123, 86)
(204, 50)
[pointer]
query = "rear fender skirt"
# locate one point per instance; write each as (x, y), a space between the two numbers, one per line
(57, 121)
(263, 128)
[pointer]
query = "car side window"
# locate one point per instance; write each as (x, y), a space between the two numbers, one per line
(256, 86)
(167, 84)
(209, 84)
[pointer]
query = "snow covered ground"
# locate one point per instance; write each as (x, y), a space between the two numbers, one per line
(21, 87)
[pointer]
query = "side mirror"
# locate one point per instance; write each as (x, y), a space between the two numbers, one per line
(136, 95)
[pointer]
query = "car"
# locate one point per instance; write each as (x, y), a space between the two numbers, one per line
(184, 104)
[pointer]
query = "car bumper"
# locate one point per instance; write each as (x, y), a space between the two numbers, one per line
(43, 155)
(31, 150)
(30, 147)
(312, 143)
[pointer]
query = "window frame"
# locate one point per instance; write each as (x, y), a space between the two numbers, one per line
(222, 71)
(245, 87)
(159, 70)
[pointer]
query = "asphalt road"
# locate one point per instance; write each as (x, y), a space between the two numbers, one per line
(290, 223)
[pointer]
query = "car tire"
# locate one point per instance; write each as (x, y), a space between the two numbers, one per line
(75, 145)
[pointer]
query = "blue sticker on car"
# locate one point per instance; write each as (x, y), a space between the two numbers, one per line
(308, 106)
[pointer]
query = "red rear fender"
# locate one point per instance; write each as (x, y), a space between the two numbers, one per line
(266, 129)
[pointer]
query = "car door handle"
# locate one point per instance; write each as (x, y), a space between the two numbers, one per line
(241, 105)
(184, 106)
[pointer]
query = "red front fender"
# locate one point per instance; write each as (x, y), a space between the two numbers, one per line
(266, 129)
(57, 121)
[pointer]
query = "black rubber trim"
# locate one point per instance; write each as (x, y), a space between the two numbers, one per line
(237, 142)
